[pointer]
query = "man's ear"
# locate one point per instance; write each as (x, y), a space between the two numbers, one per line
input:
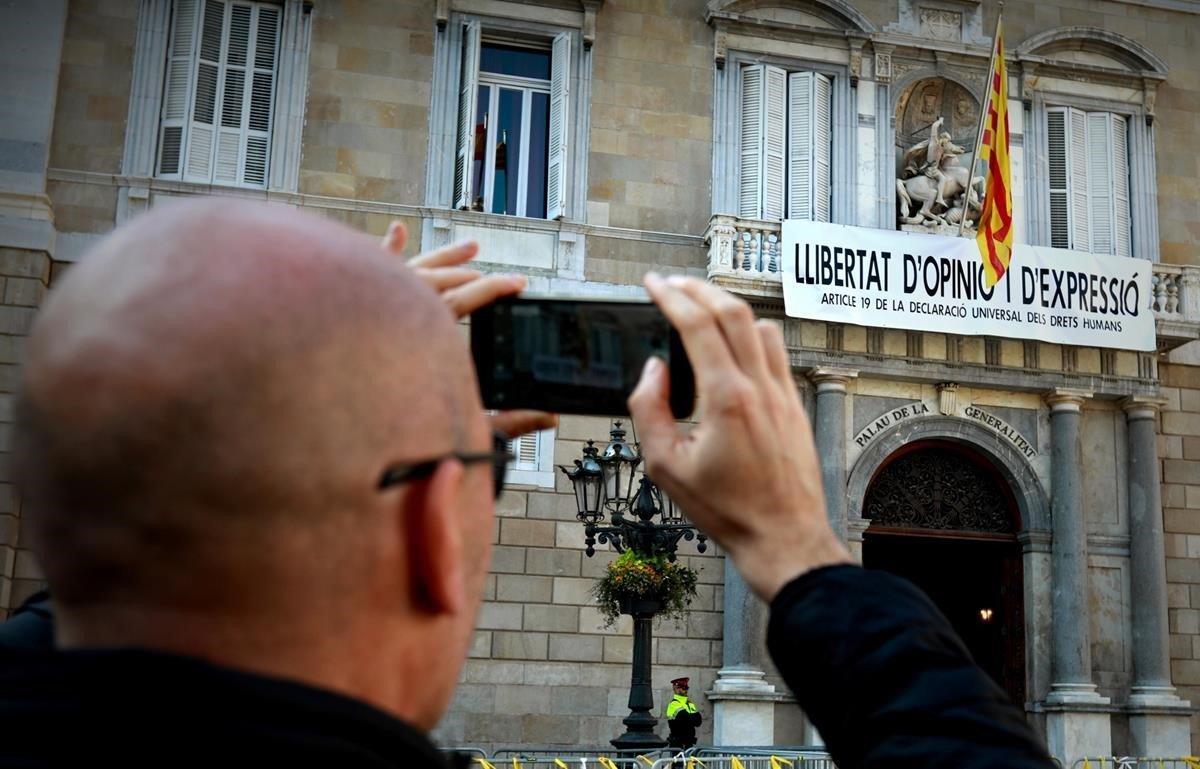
(436, 555)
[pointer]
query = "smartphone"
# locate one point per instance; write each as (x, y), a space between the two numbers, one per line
(574, 355)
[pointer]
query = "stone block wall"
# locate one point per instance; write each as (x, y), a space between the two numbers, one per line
(651, 130)
(1179, 451)
(367, 128)
(24, 276)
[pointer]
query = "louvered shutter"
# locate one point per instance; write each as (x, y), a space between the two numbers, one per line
(800, 145)
(823, 151)
(177, 87)
(525, 449)
(774, 129)
(203, 126)
(468, 85)
(261, 96)
(556, 165)
(1100, 182)
(233, 96)
(1056, 155)
(1077, 165)
(750, 135)
(1120, 170)
(809, 146)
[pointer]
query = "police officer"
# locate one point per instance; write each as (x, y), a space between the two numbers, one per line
(682, 716)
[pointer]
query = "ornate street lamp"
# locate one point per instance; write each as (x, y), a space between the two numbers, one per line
(618, 504)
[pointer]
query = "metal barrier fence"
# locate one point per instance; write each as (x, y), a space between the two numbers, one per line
(1137, 762)
(665, 758)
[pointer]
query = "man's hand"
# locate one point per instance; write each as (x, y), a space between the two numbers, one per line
(748, 473)
(464, 291)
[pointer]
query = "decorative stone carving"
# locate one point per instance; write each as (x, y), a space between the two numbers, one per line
(883, 67)
(941, 25)
(934, 187)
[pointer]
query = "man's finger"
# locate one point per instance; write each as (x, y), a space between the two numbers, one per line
(650, 407)
(469, 297)
(443, 278)
(736, 321)
(706, 346)
(446, 256)
(775, 350)
(395, 238)
(518, 423)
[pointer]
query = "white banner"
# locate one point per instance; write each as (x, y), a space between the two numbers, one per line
(920, 282)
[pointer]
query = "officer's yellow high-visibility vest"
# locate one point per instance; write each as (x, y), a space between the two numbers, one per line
(679, 702)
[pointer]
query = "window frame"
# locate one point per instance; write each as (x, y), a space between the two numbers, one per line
(727, 140)
(527, 87)
(147, 90)
(1140, 156)
(446, 86)
(1072, 182)
(539, 473)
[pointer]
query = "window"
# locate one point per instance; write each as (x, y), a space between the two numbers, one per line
(512, 124)
(218, 92)
(534, 463)
(1088, 163)
(785, 144)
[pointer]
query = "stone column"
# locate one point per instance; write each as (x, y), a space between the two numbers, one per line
(1158, 720)
(743, 701)
(1077, 721)
(31, 47)
(830, 432)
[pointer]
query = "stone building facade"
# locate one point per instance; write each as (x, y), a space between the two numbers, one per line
(630, 139)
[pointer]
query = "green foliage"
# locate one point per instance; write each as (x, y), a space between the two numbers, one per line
(633, 576)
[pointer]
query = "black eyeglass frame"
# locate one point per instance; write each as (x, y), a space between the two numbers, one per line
(499, 456)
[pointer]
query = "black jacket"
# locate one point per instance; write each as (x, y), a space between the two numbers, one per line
(886, 681)
(134, 708)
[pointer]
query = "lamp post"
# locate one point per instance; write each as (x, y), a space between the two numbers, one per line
(619, 505)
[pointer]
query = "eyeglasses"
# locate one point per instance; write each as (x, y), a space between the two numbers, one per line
(499, 456)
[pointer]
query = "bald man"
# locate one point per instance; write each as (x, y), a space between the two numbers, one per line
(260, 484)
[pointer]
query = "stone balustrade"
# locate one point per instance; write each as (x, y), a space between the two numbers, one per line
(1175, 299)
(745, 254)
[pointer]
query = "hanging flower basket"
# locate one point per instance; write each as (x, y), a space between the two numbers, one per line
(635, 584)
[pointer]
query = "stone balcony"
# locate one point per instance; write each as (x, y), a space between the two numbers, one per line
(746, 256)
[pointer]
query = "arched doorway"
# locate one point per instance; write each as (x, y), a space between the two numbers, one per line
(943, 517)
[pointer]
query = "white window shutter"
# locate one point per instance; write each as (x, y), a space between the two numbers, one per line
(1120, 171)
(525, 450)
(203, 126)
(178, 86)
(809, 146)
(800, 145)
(1077, 164)
(823, 149)
(774, 138)
(261, 96)
(750, 137)
(468, 85)
(1056, 155)
(1100, 182)
(556, 165)
(231, 124)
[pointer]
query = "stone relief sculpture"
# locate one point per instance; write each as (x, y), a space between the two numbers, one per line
(934, 186)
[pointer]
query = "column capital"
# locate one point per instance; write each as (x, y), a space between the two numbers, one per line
(1066, 399)
(1142, 406)
(831, 379)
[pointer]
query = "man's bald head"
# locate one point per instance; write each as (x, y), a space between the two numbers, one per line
(210, 396)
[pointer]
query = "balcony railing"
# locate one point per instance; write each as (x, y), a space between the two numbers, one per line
(746, 256)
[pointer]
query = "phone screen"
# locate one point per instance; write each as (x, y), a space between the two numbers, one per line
(569, 356)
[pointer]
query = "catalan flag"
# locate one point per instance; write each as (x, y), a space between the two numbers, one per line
(995, 235)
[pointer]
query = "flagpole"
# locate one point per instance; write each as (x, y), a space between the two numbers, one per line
(983, 113)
